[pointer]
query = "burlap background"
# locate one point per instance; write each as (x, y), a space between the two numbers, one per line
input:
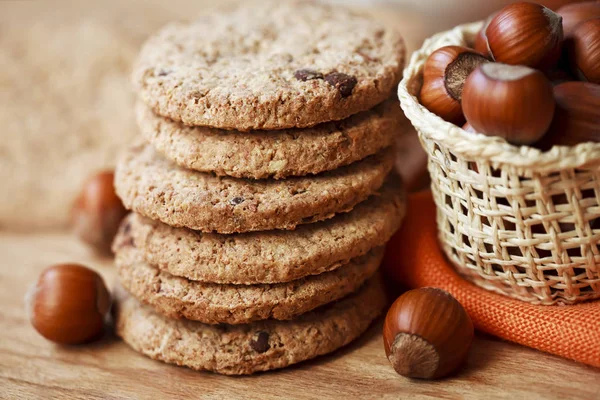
(65, 99)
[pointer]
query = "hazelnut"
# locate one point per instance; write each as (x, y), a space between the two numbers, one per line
(97, 212)
(513, 102)
(574, 14)
(525, 34)
(444, 75)
(583, 49)
(577, 116)
(68, 304)
(560, 74)
(427, 334)
(481, 45)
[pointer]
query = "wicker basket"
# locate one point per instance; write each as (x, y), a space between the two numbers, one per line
(513, 220)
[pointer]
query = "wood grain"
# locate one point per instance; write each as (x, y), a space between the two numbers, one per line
(31, 367)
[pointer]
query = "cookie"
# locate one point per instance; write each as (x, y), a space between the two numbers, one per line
(150, 185)
(213, 303)
(273, 154)
(248, 348)
(269, 256)
(269, 65)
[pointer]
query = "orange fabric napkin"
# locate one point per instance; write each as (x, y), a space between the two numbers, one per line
(415, 259)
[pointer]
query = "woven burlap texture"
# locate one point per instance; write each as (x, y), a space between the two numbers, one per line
(415, 260)
(513, 220)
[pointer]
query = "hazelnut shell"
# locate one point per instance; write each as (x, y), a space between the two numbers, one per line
(577, 116)
(444, 74)
(583, 49)
(97, 212)
(513, 102)
(574, 14)
(427, 334)
(526, 34)
(68, 304)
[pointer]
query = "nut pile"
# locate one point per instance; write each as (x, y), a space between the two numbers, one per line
(532, 77)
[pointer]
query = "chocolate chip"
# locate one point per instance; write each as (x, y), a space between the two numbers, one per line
(307, 74)
(162, 72)
(342, 82)
(236, 200)
(260, 342)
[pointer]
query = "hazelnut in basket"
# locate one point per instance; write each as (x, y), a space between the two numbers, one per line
(513, 219)
(444, 75)
(525, 34)
(514, 102)
(576, 13)
(504, 87)
(577, 117)
(583, 49)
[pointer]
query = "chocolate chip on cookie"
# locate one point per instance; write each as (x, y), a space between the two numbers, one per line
(236, 201)
(260, 342)
(342, 82)
(307, 75)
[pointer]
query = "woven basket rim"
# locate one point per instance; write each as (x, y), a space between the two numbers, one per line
(479, 147)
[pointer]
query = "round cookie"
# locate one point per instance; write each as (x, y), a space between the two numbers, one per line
(158, 189)
(213, 303)
(273, 154)
(269, 65)
(269, 256)
(248, 348)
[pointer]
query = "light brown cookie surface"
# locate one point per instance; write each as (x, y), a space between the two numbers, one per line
(248, 348)
(269, 65)
(158, 189)
(273, 154)
(270, 256)
(212, 303)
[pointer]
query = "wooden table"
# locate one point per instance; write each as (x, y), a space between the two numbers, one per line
(31, 367)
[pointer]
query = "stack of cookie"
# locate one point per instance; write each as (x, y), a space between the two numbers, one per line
(262, 193)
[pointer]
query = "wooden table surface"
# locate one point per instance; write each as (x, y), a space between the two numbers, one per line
(31, 367)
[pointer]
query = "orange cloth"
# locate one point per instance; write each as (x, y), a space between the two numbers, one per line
(415, 259)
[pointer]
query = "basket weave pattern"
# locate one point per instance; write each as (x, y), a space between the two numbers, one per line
(513, 220)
